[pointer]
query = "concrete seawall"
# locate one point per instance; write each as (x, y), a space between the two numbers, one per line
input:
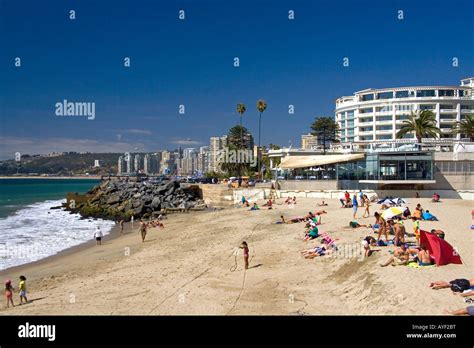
(221, 196)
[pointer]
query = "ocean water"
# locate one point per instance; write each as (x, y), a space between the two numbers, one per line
(30, 230)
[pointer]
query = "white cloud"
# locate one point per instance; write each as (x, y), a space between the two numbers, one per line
(185, 142)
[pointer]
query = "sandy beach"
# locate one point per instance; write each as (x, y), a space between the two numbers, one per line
(185, 268)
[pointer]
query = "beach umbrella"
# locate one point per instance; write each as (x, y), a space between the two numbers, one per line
(392, 212)
(442, 252)
(386, 201)
(399, 200)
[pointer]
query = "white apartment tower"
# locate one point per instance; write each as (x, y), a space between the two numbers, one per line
(377, 114)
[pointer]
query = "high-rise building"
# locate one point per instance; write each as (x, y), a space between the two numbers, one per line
(165, 162)
(216, 145)
(147, 164)
(308, 141)
(137, 163)
(378, 114)
(96, 163)
(120, 165)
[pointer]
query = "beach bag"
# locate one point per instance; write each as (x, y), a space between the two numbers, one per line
(460, 285)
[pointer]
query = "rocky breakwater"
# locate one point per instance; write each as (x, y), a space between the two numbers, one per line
(122, 200)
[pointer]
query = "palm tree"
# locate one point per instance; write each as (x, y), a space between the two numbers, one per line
(423, 124)
(241, 109)
(465, 127)
(261, 107)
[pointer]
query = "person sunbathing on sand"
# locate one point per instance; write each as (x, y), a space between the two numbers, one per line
(463, 311)
(439, 233)
(255, 207)
(268, 204)
(312, 233)
(400, 257)
(322, 204)
(355, 224)
(465, 287)
(424, 257)
(319, 251)
(367, 242)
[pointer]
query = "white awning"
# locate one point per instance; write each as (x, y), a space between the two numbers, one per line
(293, 162)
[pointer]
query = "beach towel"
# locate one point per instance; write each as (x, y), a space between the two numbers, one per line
(442, 252)
(413, 264)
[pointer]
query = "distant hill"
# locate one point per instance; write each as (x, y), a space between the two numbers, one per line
(66, 164)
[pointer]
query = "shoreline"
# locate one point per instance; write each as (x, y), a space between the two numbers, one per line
(110, 236)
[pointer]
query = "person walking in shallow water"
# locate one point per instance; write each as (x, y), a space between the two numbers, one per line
(143, 230)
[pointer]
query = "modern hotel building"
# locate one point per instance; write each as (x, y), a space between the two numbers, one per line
(377, 114)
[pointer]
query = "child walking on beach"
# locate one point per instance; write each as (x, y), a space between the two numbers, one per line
(9, 293)
(245, 246)
(416, 229)
(143, 230)
(22, 287)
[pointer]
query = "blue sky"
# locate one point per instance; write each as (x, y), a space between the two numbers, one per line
(190, 62)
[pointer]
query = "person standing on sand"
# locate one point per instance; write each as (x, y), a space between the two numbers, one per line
(121, 226)
(380, 221)
(9, 293)
(355, 205)
(245, 246)
(22, 287)
(98, 236)
(143, 230)
(367, 205)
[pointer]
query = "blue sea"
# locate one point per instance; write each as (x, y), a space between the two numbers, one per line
(30, 230)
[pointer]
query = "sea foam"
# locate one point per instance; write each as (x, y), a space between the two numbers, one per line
(36, 231)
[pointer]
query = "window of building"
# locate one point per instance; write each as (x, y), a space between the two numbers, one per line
(383, 108)
(466, 107)
(366, 97)
(446, 93)
(447, 106)
(427, 107)
(366, 110)
(402, 117)
(350, 131)
(383, 137)
(426, 93)
(384, 118)
(403, 107)
(350, 114)
(366, 129)
(447, 117)
(461, 93)
(401, 94)
(445, 125)
(350, 123)
(387, 127)
(385, 95)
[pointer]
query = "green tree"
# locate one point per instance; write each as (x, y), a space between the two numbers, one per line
(241, 110)
(234, 144)
(326, 129)
(423, 124)
(465, 127)
(261, 107)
